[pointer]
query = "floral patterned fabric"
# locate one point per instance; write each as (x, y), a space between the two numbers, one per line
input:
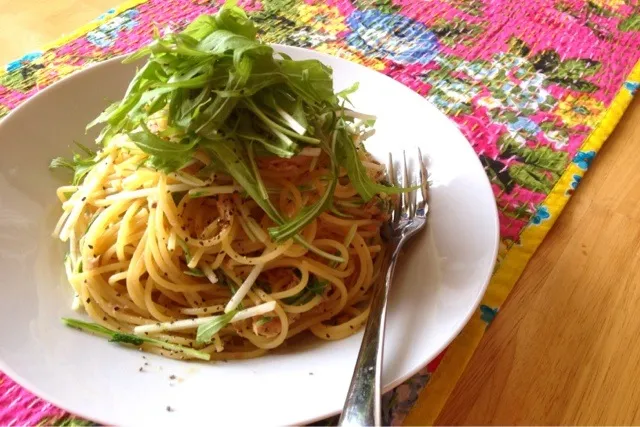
(535, 86)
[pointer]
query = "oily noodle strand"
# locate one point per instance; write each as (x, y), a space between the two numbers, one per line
(149, 249)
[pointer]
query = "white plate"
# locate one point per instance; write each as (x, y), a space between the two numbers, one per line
(442, 278)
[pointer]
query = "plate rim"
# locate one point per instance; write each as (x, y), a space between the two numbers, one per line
(32, 388)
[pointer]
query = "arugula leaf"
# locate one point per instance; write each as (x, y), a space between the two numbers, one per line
(313, 288)
(263, 320)
(347, 154)
(301, 298)
(78, 165)
(306, 215)
(206, 332)
(344, 94)
(310, 79)
(317, 286)
(233, 18)
(213, 117)
(122, 338)
(164, 155)
(223, 41)
(185, 249)
(201, 27)
(195, 272)
(231, 155)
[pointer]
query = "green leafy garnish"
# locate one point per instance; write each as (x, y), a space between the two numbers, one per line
(185, 249)
(195, 272)
(206, 332)
(263, 320)
(135, 340)
(313, 288)
(79, 165)
(224, 93)
(164, 155)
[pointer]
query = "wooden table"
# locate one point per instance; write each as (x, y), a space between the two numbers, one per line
(565, 348)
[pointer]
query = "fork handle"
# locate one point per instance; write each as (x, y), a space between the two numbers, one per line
(363, 404)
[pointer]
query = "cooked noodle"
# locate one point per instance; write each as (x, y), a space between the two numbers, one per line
(159, 254)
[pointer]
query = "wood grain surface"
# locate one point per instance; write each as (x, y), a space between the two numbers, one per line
(565, 348)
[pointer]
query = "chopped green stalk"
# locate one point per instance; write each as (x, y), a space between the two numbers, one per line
(206, 332)
(263, 320)
(195, 272)
(185, 249)
(306, 215)
(336, 212)
(273, 125)
(348, 153)
(314, 288)
(78, 165)
(254, 166)
(119, 337)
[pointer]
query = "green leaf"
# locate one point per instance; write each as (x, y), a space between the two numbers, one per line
(317, 286)
(344, 94)
(263, 320)
(213, 117)
(195, 272)
(78, 165)
(234, 159)
(313, 288)
(303, 297)
(201, 27)
(122, 338)
(164, 155)
(221, 41)
(206, 332)
(234, 19)
(310, 79)
(306, 215)
(348, 158)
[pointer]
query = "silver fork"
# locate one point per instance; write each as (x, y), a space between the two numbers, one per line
(362, 407)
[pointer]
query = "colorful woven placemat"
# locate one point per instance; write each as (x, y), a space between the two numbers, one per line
(536, 86)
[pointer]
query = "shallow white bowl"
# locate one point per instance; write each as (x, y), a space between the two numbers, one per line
(439, 283)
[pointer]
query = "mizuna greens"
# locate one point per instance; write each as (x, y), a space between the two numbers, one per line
(234, 98)
(232, 204)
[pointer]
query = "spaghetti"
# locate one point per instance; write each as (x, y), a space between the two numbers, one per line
(160, 254)
(232, 204)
